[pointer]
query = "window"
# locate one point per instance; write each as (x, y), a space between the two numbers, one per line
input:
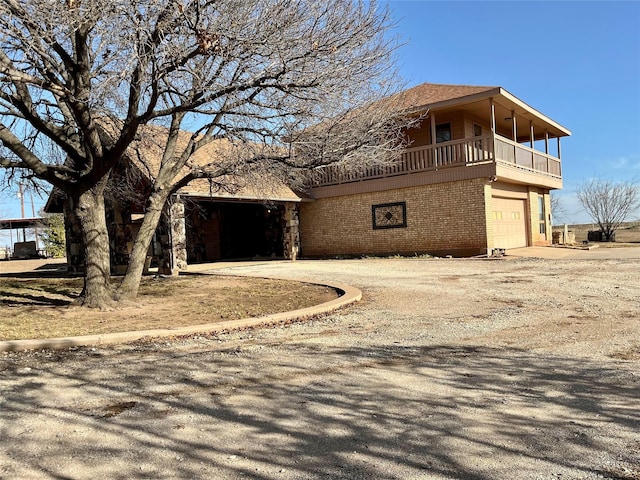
(389, 215)
(443, 132)
(477, 153)
(542, 215)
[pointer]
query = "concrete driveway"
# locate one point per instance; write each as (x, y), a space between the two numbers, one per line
(552, 253)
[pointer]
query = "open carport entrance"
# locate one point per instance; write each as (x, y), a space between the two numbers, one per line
(233, 230)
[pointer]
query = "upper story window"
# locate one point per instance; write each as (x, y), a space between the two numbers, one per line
(477, 130)
(443, 132)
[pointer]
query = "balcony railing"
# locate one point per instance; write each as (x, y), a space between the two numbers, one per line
(458, 153)
(508, 151)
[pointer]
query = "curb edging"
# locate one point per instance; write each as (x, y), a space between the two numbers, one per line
(349, 295)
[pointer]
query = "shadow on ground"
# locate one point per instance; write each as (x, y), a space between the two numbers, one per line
(45, 271)
(305, 411)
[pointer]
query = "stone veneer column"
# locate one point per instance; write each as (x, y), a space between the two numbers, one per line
(291, 232)
(178, 237)
(73, 239)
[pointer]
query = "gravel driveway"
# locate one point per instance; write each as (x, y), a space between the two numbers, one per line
(475, 369)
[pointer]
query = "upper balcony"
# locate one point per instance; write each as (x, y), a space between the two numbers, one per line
(468, 132)
(512, 161)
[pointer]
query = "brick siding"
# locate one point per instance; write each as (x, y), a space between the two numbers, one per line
(445, 218)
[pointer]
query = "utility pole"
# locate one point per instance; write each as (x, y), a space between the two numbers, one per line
(21, 197)
(35, 224)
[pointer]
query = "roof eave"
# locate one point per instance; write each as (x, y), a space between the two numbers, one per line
(486, 95)
(474, 97)
(512, 98)
(236, 198)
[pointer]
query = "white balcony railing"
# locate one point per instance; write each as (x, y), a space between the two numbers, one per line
(457, 153)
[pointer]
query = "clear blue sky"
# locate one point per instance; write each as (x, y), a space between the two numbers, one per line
(577, 62)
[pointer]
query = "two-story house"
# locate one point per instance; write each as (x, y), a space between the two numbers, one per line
(476, 177)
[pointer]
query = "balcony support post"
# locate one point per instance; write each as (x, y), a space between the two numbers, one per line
(532, 140)
(492, 143)
(546, 148)
(433, 138)
(532, 137)
(492, 108)
(546, 142)
(514, 127)
(559, 154)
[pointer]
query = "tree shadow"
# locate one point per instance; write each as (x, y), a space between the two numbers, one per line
(29, 300)
(37, 273)
(34, 295)
(317, 412)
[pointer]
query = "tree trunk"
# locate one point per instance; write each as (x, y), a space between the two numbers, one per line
(89, 209)
(131, 283)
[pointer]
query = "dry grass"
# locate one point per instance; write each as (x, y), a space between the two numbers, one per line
(41, 307)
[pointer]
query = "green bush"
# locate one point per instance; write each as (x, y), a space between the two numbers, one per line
(52, 235)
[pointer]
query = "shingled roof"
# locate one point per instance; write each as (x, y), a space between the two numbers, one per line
(427, 94)
(146, 153)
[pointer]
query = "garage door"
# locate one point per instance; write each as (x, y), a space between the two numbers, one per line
(509, 223)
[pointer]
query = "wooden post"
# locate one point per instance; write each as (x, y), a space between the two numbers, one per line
(493, 115)
(546, 142)
(492, 109)
(546, 149)
(433, 139)
(514, 127)
(532, 137)
(559, 156)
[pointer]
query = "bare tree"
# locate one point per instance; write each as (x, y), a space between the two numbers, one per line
(80, 78)
(609, 203)
(558, 210)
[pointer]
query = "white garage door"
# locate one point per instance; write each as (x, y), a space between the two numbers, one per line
(509, 223)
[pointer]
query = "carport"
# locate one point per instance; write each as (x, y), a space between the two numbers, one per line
(246, 224)
(225, 230)
(22, 249)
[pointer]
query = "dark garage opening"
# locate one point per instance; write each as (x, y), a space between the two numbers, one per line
(233, 231)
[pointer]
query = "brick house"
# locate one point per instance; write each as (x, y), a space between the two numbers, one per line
(476, 177)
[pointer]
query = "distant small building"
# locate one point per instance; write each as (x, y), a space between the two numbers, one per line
(17, 228)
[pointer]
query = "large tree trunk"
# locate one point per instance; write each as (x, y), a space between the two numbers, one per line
(89, 208)
(131, 283)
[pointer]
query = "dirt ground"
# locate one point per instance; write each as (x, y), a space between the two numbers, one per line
(38, 304)
(476, 369)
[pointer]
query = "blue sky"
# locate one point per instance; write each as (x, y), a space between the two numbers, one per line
(576, 62)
